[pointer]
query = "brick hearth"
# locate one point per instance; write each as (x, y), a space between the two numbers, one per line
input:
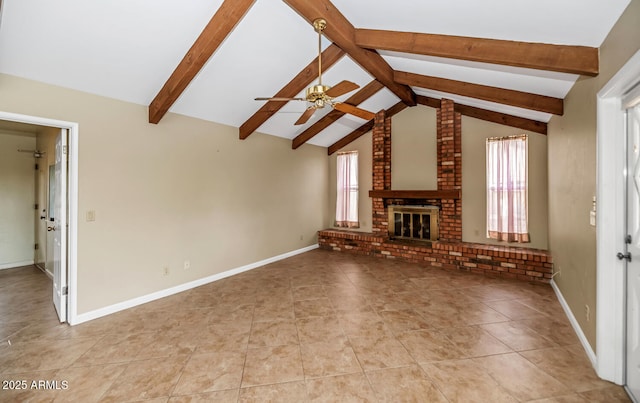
(449, 252)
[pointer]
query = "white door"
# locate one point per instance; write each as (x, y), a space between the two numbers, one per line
(59, 228)
(633, 251)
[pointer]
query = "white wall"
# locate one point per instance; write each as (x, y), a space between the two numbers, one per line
(17, 198)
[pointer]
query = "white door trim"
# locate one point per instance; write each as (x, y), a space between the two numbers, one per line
(610, 222)
(72, 255)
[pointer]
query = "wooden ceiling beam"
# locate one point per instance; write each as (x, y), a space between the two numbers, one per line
(359, 97)
(329, 57)
(218, 28)
(541, 56)
(364, 129)
(489, 116)
(340, 31)
(502, 118)
(518, 99)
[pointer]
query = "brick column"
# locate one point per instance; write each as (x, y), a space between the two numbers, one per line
(449, 143)
(381, 138)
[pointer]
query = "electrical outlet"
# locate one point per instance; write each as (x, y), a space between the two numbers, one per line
(187, 264)
(587, 312)
(165, 270)
(91, 215)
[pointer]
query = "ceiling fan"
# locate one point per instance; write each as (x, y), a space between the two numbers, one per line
(320, 95)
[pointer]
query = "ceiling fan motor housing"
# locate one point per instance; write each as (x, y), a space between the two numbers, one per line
(316, 93)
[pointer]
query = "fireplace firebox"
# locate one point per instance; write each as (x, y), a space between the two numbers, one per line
(417, 223)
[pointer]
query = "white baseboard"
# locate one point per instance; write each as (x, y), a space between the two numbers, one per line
(13, 265)
(108, 310)
(576, 327)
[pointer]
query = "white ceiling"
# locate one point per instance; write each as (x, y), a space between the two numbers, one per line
(127, 49)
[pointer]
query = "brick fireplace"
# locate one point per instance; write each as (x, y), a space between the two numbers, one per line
(448, 251)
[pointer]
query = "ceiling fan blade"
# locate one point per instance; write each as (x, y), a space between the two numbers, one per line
(341, 88)
(278, 99)
(354, 110)
(305, 116)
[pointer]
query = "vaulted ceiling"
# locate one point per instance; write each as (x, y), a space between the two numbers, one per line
(500, 60)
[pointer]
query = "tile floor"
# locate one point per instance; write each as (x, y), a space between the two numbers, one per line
(321, 326)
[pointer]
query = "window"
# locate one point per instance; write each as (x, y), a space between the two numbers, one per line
(507, 216)
(347, 197)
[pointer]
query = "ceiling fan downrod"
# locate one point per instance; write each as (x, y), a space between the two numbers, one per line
(319, 24)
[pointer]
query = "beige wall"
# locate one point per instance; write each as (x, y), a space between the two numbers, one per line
(184, 189)
(474, 201)
(414, 153)
(17, 197)
(414, 166)
(572, 174)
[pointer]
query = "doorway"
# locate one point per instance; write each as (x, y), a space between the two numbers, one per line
(65, 294)
(614, 356)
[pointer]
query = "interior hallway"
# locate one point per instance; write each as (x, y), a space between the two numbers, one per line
(320, 326)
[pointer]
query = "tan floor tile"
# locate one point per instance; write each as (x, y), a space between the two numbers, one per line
(466, 381)
(308, 292)
(211, 372)
(116, 348)
(269, 365)
(170, 343)
(41, 355)
(559, 332)
(404, 320)
(350, 304)
(517, 336)
(490, 293)
(313, 307)
(571, 368)
(319, 329)
(224, 336)
(87, 384)
(520, 377)
(513, 309)
(272, 311)
(28, 391)
(147, 379)
(429, 345)
(274, 333)
(381, 351)
(473, 341)
(407, 384)
(328, 358)
(611, 394)
(291, 392)
(342, 388)
(223, 396)
(573, 398)
(363, 324)
(229, 312)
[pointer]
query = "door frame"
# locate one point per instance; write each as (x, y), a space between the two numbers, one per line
(72, 200)
(611, 222)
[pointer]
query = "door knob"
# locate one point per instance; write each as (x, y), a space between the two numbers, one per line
(626, 256)
(51, 228)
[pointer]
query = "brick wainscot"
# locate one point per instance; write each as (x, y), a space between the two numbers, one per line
(449, 252)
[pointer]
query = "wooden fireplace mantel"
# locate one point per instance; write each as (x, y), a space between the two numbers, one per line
(415, 194)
